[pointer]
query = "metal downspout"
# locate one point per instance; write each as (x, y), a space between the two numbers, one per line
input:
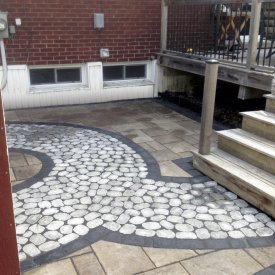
(4, 65)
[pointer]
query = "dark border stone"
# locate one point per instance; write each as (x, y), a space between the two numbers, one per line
(267, 271)
(47, 166)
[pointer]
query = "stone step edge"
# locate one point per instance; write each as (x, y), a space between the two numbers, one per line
(270, 96)
(237, 180)
(249, 140)
(249, 168)
(257, 115)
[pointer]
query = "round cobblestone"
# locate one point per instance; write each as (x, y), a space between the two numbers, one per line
(100, 181)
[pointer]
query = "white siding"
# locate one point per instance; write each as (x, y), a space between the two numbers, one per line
(172, 80)
(18, 93)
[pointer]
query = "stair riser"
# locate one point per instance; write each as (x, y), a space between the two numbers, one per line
(236, 185)
(270, 105)
(247, 154)
(259, 128)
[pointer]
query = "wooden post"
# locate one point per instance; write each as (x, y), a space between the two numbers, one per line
(253, 33)
(208, 105)
(9, 262)
(164, 22)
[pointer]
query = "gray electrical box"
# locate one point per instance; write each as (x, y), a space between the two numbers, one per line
(99, 20)
(4, 29)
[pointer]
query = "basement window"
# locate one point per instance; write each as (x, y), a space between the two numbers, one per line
(45, 76)
(124, 72)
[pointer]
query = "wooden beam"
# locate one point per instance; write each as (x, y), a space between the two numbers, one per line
(9, 262)
(208, 106)
(233, 74)
(211, 2)
(246, 184)
(253, 33)
(249, 93)
(164, 24)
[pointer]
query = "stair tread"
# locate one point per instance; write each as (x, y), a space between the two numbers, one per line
(263, 116)
(249, 168)
(269, 96)
(263, 181)
(250, 140)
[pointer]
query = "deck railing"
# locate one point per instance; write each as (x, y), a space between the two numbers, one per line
(266, 52)
(241, 31)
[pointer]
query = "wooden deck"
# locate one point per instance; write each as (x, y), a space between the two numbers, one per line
(244, 159)
(257, 78)
(187, 43)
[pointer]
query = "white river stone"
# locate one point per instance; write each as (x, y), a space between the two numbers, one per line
(31, 250)
(94, 223)
(168, 234)
(55, 225)
(127, 229)
(68, 238)
(36, 228)
(81, 229)
(202, 233)
(151, 225)
(137, 220)
(112, 226)
(37, 239)
(145, 233)
(66, 229)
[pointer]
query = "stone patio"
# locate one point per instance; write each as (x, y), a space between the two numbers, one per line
(158, 201)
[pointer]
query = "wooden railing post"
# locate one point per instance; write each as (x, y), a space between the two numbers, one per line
(208, 106)
(164, 22)
(253, 33)
(9, 262)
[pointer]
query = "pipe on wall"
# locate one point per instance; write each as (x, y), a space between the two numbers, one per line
(4, 65)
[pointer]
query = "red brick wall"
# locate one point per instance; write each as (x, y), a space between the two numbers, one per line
(62, 31)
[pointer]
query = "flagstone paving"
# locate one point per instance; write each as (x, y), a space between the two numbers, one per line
(96, 184)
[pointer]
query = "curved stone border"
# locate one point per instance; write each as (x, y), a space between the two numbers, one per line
(267, 271)
(47, 166)
(101, 233)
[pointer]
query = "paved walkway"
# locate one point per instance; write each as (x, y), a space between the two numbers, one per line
(98, 185)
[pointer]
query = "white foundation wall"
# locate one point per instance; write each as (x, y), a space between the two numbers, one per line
(173, 80)
(19, 94)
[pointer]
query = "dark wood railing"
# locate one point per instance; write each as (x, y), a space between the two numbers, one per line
(240, 31)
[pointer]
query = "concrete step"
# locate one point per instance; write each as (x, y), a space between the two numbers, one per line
(249, 182)
(251, 148)
(261, 123)
(270, 103)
